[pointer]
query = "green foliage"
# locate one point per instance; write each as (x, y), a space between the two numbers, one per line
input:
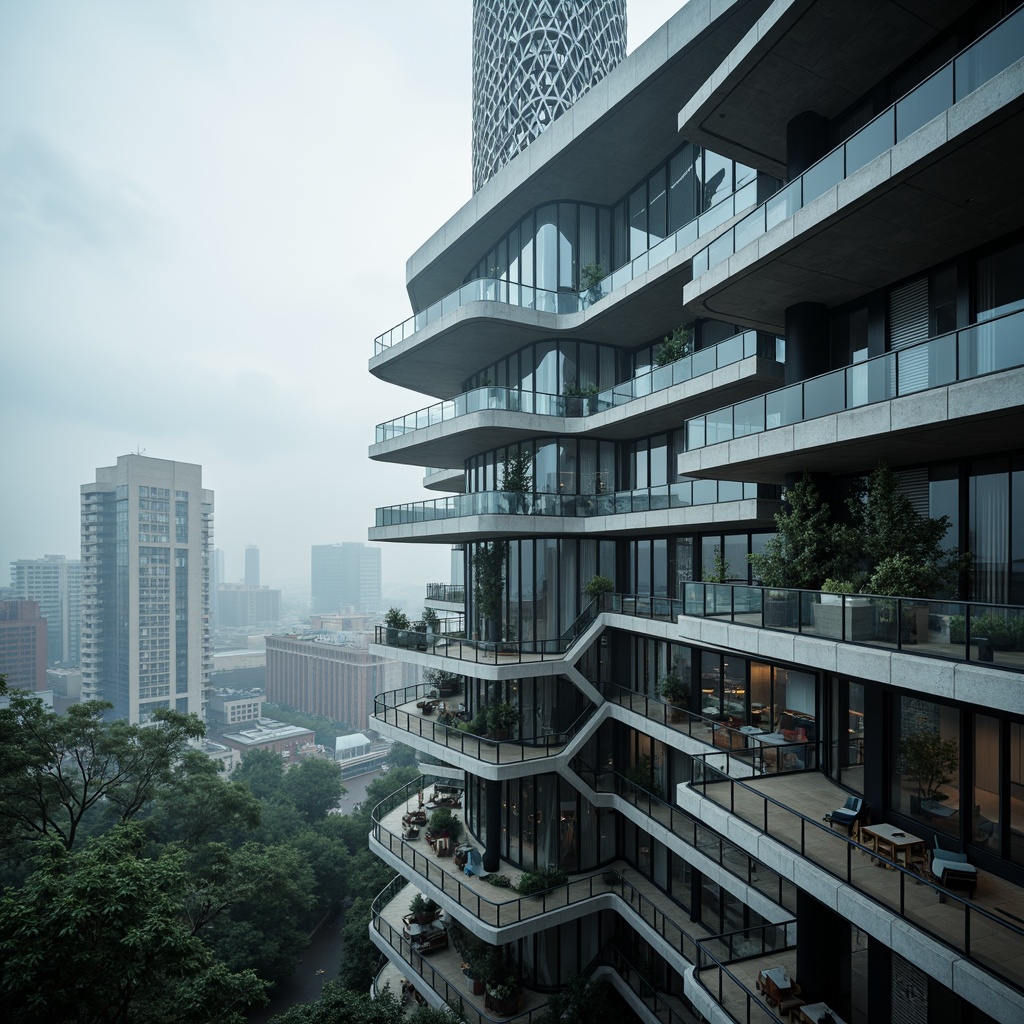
(831, 586)
(314, 787)
(347, 1005)
(359, 956)
(98, 935)
(931, 760)
(598, 585)
(488, 571)
(674, 346)
(902, 553)
(641, 774)
(591, 276)
(443, 820)
(262, 771)
(517, 472)
(532, 883)
(807, 547)
(58, 771)
(674, 690)
(500, 881)
(402, 756)
(502, 716)
(720, 568)
(431, 620)
(573, 389)
(1004, 631)
(396, 619)
(581, 1000)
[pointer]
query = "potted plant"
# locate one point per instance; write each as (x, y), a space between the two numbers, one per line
(488, 576)
(502, 719)
(641, 775)
(443, 820)
(574, 396)
(424, 910)
(674, 346)
(517, 480)
(596, 586)
(394, 621)
(932, 761)
(830, 612)
(534, 883)
(675, 693)
(591, 278)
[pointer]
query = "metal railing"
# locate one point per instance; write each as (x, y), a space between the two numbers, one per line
(817, 843)
(980, 62)
(496, 290)
(500, 652)
(452, 593)
(974, 351)
(684, 494)
(524, 908)
(452, 995)
(387, 707)
(691, 831)
(760, 756)
(505, 399)
(974, 631)
(756, 1009)
(659, 1003)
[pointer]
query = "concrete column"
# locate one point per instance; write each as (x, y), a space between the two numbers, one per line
(492, 826)
(808, 139)
(807, 341)
(822, 952)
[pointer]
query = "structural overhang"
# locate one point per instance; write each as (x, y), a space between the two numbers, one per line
(626, 121)
(984, 414)
(804, 55)
(952, 185)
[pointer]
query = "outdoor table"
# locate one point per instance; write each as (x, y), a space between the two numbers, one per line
(777, 984)
(813, 1013)
(893, 843)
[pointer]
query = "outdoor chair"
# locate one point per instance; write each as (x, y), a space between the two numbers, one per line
(952, 870)
(847, 815)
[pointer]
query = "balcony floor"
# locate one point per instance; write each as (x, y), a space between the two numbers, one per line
(814, 795)
(447, 963)
(501, 909)
(734, 997)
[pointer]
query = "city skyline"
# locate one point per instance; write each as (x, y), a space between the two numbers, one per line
(157, 219)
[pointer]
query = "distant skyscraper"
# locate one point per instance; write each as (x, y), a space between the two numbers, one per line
(147, 527)
(23, 645)
(55, 582)
(531, 61)
(345, 576)
(252, 565)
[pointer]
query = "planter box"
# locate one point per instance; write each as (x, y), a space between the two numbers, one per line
(859, 620)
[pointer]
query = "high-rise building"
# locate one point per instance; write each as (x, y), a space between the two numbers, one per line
(345, 577)
(22, 645)
(782, 236)
(252, 565)
(240, 605)
(531, 61)
(55, 582)
(147, 529)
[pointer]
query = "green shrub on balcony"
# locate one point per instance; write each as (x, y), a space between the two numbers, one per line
(532, 883)
(1002, 631)
(442, 820)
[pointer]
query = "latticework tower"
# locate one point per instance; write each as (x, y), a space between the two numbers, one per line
(532, 59)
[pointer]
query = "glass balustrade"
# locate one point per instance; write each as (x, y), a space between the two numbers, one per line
(995, 51)
(961, 355)
(579, 506)
(512, 293)
(500, 399)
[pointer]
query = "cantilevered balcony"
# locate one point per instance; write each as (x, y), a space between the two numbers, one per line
(900, 195)
(950, 397)
(437, 726)
(780, 822)
(484, 515)
(988, 635)
(452, 431)
(440, 972)
(501, 915)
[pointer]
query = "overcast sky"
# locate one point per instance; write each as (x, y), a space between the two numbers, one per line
(205, 211)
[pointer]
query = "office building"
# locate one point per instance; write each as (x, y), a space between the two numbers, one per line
(22, 645)
(147, 529)
(323, 675)
(345, 577)
(240, 605)
(779, 237)
(55, 582)
(252, 565)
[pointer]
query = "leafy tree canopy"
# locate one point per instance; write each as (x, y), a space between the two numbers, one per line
(97, 935)
(314, 787)
(55, 770)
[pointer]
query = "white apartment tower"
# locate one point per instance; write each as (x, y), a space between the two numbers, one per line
(147, 530)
